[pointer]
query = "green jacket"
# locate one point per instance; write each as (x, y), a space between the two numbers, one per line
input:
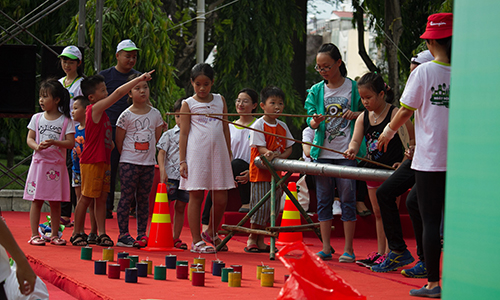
(315, 105)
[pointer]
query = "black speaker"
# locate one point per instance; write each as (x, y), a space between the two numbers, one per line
(17, 79)
(51, 65)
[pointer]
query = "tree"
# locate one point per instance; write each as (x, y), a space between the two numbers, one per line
(146, 24)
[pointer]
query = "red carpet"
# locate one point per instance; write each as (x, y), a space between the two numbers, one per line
(61, 266)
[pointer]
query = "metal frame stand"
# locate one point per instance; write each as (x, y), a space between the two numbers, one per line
(272, 231)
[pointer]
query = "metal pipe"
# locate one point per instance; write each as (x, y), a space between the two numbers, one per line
(200, 32)
(82, 15)
(313, 168)
(98, 35)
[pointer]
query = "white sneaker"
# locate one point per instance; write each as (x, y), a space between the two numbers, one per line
(336, 208)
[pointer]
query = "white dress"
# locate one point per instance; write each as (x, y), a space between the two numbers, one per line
(207, 156)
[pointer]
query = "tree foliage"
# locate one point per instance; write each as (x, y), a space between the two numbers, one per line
(254, 49)
(144, 23)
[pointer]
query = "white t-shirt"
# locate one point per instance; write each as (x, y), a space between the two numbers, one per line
(337, 130)
(169, 142)
(427, 91)
(74, 90)
(139, 142)
(240, 146)
(307, 136)
(50, 130)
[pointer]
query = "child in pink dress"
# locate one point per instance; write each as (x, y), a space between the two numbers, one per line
(50, 133)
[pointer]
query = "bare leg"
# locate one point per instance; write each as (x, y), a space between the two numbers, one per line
(382, 247)
(179, 208)
(219, 207)
(349, 228)
(93, 222)
(194, 211)
(326, 230)
(35, 209)
(55, 216)
(100, 213)
(80, 212)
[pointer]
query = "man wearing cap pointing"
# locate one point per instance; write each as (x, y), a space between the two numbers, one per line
(126, 57)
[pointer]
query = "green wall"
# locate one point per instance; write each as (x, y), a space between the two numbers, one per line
(471, 267)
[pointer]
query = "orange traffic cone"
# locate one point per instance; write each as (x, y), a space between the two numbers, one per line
(291, 217)
(160, 231)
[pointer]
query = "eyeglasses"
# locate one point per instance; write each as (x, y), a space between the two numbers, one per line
(325, 69)
(244, 101)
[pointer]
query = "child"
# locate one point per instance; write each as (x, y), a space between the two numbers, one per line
(337, 97)
(246, 103)
(137, 130)
(71, 63)
(94, 160)
(79, 106)
(427, 94)
(376, 97)
(50, 134)
(126, 57)
(272, 102)
(168, 161)
(205, 160)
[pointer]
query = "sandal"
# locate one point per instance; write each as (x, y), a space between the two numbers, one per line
(92, 238)
(105, 240)
(36, 241)
(67, 223)
(252, 249)
(180, 245)
(214, 241)
(78, 240)
(142, 240)
(201, 247)
(55, 240)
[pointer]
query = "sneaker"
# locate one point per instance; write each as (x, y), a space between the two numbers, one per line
(418, 271)
(347, 258)
(393, 262)
(126, 241)
(336, 208)
(370, 259)
(425, 292)
(379, 260)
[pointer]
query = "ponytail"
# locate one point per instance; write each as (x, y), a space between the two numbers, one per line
(374, 82)
(334, 53)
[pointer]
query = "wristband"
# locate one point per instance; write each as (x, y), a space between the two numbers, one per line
(388, 132)
(182, 162)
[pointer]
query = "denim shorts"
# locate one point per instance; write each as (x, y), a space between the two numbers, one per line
(325, 192)
(174, 193)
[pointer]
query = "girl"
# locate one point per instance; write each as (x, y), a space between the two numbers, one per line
(138, 129)
(71, 63)
(204, 153)
(427, 94)
(50, 133)
(376, 96)
(246, 103)
(332, 104)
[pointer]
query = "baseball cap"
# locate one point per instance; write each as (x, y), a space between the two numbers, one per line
(422, 57)
(72, 52)
(126, 45)
(439, 26)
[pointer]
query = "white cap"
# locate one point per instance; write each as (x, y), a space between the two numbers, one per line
(126, 45)
(72, 52)
(422, 57)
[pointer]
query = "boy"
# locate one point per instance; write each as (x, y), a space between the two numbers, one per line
(95, 158)
(126, 57)
(168, 161)
(80, 104)
(272, 102)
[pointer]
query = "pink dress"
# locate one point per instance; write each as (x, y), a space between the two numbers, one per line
(48, 176)
(207, 156)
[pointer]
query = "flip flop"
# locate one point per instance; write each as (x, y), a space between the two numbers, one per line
(252, 249)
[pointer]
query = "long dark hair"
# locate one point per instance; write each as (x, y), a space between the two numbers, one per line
(334, 53)
(53, 87)
(202, 69)
(374, 82)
